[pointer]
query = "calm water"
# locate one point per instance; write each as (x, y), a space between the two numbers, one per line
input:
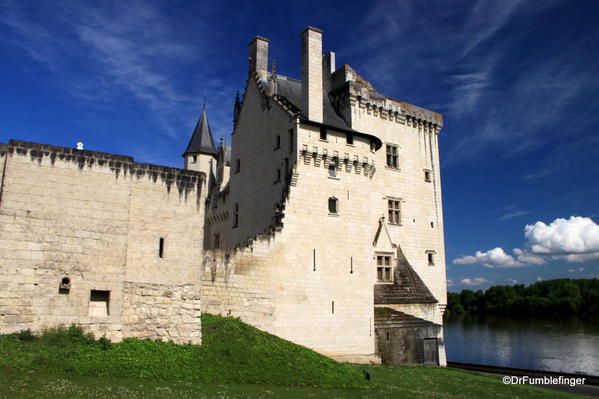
(567, 344)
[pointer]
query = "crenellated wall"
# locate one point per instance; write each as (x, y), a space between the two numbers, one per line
(80, 238)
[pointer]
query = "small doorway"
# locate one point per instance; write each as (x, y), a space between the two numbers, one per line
(431, 352)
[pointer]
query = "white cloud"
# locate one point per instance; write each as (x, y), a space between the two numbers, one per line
(577, 235)
(571, 240)
(528, 258)
(539, 278)
(512, 215)
(475, 281)
(571, 270)
(495, 257)
(449, 283)
(511, 281)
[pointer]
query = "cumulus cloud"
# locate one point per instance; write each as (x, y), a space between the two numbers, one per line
(511, 281)
(475, 281)
(577, 235)
(528, 258)
(495, 257)
(571, 240)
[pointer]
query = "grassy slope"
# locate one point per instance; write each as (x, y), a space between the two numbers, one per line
(232, 351)
(235, 361)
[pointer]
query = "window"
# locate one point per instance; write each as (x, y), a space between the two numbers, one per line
(194, 159)
(430, 257)
(237, 165)
(427, 175)
(236, 215)
(161, 248)
(350, 139)
(290, 140)
(278, 175)
(394, 211)
(333, 205)
(332, 170)
(99, 303)
(383, 268)
(277, 142)
(217, 241)
(392, 156)
(323, 133)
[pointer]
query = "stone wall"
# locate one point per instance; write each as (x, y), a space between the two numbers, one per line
(93, 223)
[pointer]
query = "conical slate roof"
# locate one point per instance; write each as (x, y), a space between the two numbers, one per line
(201, 140)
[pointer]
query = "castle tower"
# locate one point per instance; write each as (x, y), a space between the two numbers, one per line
(200, 154)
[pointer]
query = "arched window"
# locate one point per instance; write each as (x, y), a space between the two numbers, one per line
(333, 205)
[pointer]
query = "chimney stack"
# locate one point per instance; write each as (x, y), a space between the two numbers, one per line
(312, 87)
(259, 56)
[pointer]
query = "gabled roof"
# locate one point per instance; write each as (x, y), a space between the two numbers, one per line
(201, 140)
(407, 287)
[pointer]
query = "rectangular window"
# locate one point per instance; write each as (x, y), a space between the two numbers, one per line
(430, 257)
(277, 142)
(333, 205)
(392, 156)
(323, 133)
(161, 248)
(237, 165)
(195, 159)
(383, 268)
(236, 215)
(394, 211)
(427, 176)
(350, 139)
(290, 141)
(217, 241)
(99, 303)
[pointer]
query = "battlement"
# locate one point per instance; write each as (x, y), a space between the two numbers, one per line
(185, 180)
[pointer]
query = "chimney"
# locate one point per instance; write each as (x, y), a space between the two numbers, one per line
(312, 74)
(328, 67)
(259, 56)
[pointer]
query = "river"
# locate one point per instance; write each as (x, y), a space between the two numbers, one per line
(559, 343)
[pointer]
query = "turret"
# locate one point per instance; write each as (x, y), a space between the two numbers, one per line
(200, 154)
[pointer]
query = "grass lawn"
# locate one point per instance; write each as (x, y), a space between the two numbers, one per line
(234, 361)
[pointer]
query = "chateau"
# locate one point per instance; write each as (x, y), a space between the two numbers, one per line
(321, 224)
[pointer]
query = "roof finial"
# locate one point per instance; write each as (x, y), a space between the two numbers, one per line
(204, 107)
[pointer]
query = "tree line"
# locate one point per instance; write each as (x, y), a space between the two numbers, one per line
(560, 296)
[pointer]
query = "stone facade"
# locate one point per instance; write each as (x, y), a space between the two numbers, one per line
(326, 176)
(99, 240)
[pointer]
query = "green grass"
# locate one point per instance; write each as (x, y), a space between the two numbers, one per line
(235, 361)
(231, 352)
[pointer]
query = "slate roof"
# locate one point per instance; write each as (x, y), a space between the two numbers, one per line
(408, 287)
(201, 140)
(291, 89)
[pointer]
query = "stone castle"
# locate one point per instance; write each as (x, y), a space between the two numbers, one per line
(321, 224)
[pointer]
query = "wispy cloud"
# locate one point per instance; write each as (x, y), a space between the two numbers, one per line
(106, 52)
(512, 215)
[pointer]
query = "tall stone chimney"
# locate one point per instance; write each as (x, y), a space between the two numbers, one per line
(259, 56)
(312, 74)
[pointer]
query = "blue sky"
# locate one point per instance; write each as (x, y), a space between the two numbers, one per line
(516, 80)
